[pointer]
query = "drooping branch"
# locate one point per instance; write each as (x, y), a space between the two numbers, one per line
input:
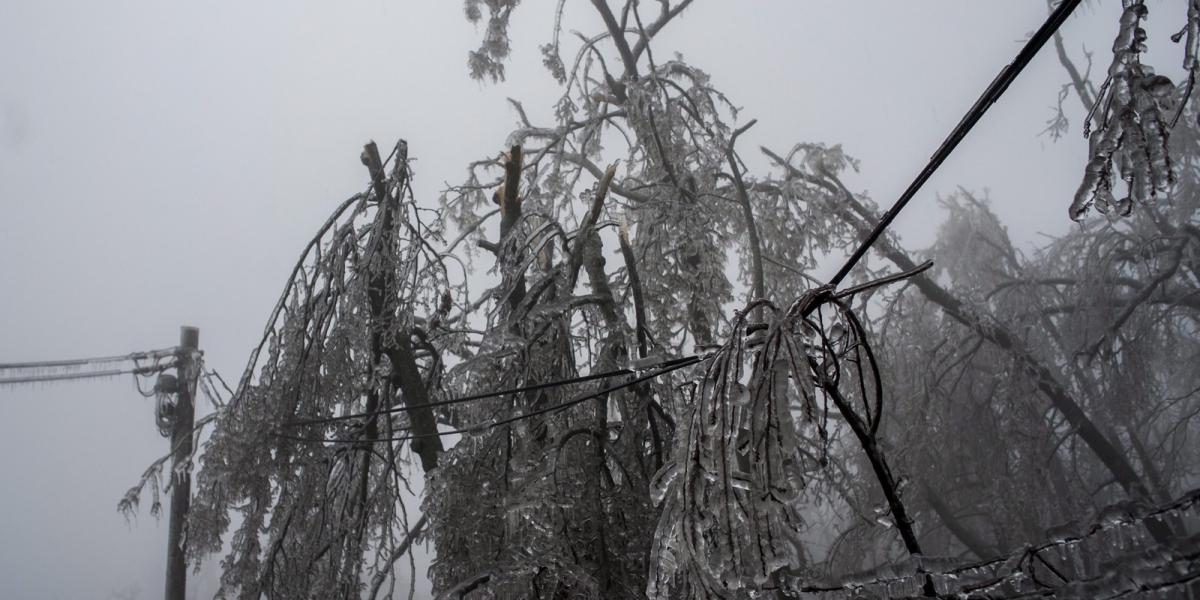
(758, 284)
(865, 426)
(618, 37)
(667, 14)
(585, 232)
(1083, 88)
(635, 285)
(397, 553)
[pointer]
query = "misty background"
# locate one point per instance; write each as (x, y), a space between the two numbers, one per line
(163, 164)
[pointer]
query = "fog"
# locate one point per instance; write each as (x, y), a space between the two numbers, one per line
(162, 164)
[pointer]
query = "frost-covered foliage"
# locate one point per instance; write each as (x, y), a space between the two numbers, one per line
(488, 61)
(756, 435)
(678, 197)
(1134, 119)
(313, 516)
(653, 398)
(1105, 310)
(1110, 309)
(1026, 391)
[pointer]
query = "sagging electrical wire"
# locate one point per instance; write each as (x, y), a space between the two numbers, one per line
(79, 362)
(84, 375)
(631, 370)
(481, 427)
(46, 371)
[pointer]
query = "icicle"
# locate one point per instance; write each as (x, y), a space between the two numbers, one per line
(1192, 47)
(1132, 126)
(1093, 179)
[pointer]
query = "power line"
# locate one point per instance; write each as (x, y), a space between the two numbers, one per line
(75, 362)
(481, 427)
(84, 375)
(674, 362)
(72, 369)
(990, 95)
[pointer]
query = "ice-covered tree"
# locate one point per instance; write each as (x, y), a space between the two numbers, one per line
(651, 396)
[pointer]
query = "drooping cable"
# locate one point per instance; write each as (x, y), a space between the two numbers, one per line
(481, 427)
(79, 362)
(85, 375)
(675, 363)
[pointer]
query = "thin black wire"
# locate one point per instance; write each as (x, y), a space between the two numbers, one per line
(685, 360)
(985, 101)
(479, 428)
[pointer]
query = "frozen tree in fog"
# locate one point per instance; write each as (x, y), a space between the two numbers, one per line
(764, 433)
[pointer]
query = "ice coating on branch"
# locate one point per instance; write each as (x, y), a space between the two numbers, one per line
(1192, 47)
(728, 519)
(1132, 122)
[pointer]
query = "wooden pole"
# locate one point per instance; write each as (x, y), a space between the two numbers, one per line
(181, 449)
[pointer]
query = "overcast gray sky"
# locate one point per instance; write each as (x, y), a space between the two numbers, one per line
(163, 164)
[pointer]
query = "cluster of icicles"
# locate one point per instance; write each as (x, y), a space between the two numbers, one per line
(729, 521)
(1134, 129)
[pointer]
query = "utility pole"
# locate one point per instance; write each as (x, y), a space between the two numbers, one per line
(181, 450)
